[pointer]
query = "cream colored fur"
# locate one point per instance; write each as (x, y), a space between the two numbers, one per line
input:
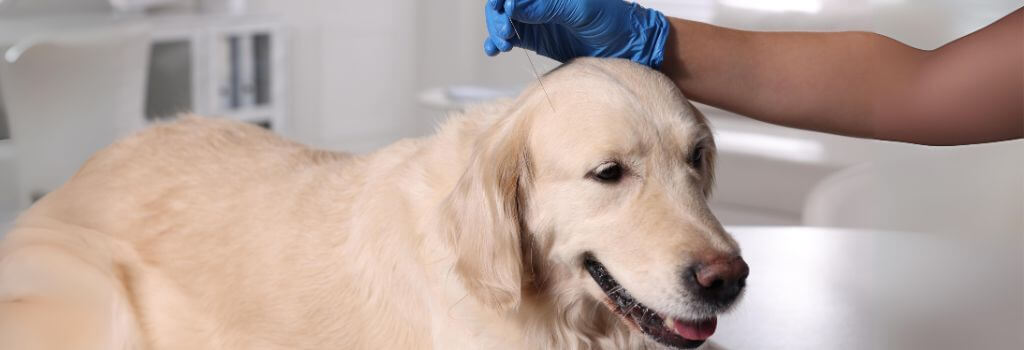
(210, 234)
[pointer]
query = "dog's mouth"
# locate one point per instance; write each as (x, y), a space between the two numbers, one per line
(676, 333)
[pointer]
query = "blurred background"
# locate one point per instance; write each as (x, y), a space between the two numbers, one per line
(854, 243)
(357, 75)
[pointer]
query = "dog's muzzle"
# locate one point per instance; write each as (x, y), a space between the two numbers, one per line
(716, 284)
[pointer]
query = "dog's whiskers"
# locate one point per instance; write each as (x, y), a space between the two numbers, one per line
(631, 307)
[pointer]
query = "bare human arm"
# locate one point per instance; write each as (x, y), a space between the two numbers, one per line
(849, 83)
(859, 84)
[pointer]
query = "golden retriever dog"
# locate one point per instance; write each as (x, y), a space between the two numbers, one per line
(519, 225)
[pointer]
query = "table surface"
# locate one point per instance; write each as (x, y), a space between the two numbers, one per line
(823, 288)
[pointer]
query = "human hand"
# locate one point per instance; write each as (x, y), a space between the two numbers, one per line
(564, 29)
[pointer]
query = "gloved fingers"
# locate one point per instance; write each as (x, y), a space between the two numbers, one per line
(493, 46)
(497, 23)
(502, 44)
(489, 48)
(497, 5)
(537, 11)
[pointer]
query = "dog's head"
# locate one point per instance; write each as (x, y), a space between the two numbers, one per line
(602, 197)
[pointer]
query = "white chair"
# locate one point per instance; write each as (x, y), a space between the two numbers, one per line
(970, 190)
(68, 96)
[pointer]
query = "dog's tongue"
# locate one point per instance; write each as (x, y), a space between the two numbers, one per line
(695, 330)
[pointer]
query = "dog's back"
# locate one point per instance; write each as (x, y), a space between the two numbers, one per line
(198, 234)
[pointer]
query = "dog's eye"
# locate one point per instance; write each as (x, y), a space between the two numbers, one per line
(608, 172)
(697, 157)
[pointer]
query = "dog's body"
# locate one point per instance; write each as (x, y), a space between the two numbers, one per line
(207, 234)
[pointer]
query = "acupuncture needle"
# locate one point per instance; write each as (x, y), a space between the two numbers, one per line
(532, 66)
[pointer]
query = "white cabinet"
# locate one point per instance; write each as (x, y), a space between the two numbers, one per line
(223, 67)
(245, 73)
(4, 132)
(218, 66)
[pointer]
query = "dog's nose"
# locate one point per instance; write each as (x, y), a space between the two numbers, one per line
(720, 280)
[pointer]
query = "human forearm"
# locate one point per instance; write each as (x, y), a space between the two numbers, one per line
(850, 83)
(818, 81)
(857, 83)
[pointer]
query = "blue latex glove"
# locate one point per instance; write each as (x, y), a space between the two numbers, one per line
(564, 29)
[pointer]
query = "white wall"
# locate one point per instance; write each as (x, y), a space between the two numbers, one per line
(450, 39)
(357, 66)
(353, 69)
(450, 35)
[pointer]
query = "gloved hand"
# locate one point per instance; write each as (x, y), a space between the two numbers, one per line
(564, 29)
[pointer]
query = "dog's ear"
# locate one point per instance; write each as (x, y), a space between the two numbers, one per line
(482, 217)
